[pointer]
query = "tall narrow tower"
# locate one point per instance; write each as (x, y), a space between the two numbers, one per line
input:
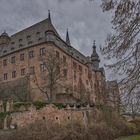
(95, 58)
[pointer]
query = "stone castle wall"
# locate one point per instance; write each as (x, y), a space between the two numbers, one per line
(47, 114)
(25, 115)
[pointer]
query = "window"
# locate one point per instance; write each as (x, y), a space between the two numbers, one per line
(80, 68)
(13, 59)
(32, 70)
(22, 71)
(22, 57)
(5, 51)
(57, 54)
(5, 76)
(58, 70)
(49, 36)
(20, 45)
(12, 43)
(20, 40)
(28, 37)
(75, 77)
(42, 51)
(12, 48)
(74, 65)
(31, 54)
(5, 62)
(87, 82)
(42, 67)
(38, 34)
(64, 59)
(65, 73)
(30, 42)
(14, 74)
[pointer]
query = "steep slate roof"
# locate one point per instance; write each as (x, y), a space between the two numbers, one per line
(36, 34)
(19, 40)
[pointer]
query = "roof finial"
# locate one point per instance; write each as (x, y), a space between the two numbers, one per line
(49, 16)
(94, 44)
(67, 38)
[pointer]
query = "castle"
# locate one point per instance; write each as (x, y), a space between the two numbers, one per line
(23, 67)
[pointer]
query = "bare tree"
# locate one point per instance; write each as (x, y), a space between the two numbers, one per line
(52, 74)
(123, 45)
(132, 104)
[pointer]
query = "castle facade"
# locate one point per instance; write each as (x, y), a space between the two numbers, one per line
(24, 68)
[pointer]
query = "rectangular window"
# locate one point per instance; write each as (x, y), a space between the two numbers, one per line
(31, 54)
(80, 69)
(13, 59)
(42, 51)
(57, 54)
(75, 77)
(87, 82)
(5, 62)
(22, 57)
(42, 67)
(22, 71)
(14, 74)
(64, 59)
(65, 73)
(74, 65)
(32, 70)
(5, 76)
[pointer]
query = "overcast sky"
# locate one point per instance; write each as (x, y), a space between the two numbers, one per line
(84, 19)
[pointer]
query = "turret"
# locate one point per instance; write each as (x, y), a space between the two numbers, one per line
(4, 38)
(95, 58)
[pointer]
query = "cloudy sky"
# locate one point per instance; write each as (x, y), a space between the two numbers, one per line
(84, 19)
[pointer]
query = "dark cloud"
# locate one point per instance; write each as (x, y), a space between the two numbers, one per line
(84, 18)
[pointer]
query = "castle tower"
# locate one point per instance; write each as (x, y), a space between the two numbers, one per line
(67, 38)
(4, 38)
(95, 58)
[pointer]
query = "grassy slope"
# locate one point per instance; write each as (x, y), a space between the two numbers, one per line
(137, 137)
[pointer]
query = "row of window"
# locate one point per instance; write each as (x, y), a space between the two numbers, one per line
(43, 68)
(23, 71)
(22, 56)
(29, 37)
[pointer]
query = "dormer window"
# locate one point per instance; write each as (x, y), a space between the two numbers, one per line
(12, 43)
(20, 45)
(28, 37)
(20, 40)
(12, 48)
(5, 51)
(30, 42)
(38, 34)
